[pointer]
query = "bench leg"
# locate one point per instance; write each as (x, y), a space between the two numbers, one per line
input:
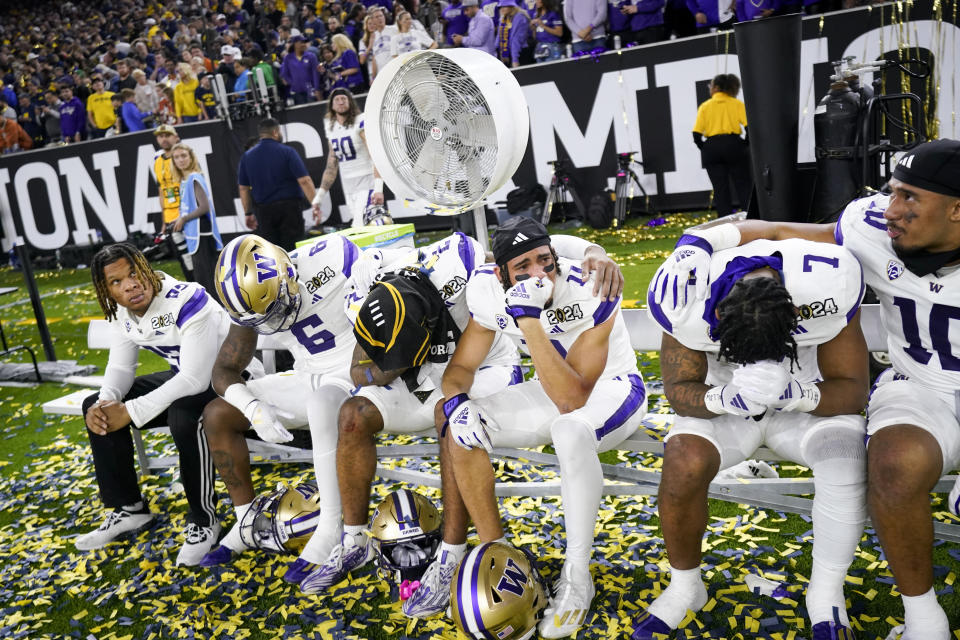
(142, 457)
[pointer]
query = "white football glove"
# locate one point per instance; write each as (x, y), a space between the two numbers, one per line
(954, 499)
(727, 399)
(364, 271)
(468, 427)
(263, 419)
(527, 298)
(686, 271)
(762, 382)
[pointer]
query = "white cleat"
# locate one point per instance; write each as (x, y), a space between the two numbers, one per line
(198, 541)
(568, 607)
(118, 524)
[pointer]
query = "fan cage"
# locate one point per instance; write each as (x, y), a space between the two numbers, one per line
(438, 132)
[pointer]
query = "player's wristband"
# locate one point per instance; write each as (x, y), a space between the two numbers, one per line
(378, 185)
(449, 406)
(722, 236)
(318, 197)
(713, 401)
(806, 397)
(239, 396)
(519, 311)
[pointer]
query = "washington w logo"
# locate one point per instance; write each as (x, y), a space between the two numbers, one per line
(266, 267)
(513, 579)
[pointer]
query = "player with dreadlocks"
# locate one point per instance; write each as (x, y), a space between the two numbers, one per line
(774, 355)
(180, 323)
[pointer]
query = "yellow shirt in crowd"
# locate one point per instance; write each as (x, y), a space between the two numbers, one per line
(184, 99)
(100, 106)
(721, 114)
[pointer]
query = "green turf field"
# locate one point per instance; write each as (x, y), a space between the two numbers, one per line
(132, 590)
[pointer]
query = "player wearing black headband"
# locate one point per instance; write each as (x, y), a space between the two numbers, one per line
(909, 246)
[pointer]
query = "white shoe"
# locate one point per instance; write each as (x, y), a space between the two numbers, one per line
(953, 500)
(198, 542)
(433, 594)
(568, 607)
(117, 524)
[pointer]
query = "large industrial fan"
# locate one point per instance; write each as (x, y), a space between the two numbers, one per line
(449, 126)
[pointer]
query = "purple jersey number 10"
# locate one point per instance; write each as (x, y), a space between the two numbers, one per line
(940, 317)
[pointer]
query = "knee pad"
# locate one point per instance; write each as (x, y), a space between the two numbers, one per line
(839, 463)
(323, 407)
(572, 437)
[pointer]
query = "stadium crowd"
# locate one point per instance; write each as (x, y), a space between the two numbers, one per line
(75, 71)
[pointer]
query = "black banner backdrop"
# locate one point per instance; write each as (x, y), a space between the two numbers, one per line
(588, 109)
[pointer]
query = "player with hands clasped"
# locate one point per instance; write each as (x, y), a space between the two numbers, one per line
(908, 243)
(179, 322)
(588, 397)
(774, 355)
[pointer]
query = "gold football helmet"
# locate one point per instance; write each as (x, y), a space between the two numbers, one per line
(282, 521)
(406, 534)
(497, 593)
(257, 283)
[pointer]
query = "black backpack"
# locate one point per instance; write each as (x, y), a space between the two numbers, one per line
(600, 211)
(526, 197)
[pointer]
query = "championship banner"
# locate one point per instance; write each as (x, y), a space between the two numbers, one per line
(587, 109)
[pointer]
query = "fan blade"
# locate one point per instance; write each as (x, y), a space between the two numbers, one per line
(427, 170)
(477, 175)
(424, 89)
(477, 130)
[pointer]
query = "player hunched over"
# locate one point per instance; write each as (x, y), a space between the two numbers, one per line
(588, 396)
(773, 356)
(298, 297)
(908, 243)
(348, 156)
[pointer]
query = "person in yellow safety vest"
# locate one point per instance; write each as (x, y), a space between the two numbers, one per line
(169, 193)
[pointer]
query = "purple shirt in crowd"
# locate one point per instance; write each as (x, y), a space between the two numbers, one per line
(73, 118)
(549, 19)
(457, 21)
(516, 38)
(481, 34)
(300, 74)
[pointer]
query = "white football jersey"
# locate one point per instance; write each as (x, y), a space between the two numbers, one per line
(353, 159)
(321, 339)
(824, 280)
(448, 263)
(574, 310)
(917, 313)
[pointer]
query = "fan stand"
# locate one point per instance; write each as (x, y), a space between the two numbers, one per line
(480, 226)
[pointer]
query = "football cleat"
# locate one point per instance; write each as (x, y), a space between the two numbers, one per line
(118, 524)
(197, 544)
(649, 627)
(343, 559)
(433, 594)
(221, 555)
(568, 607)
(831, 630)
(298, 570)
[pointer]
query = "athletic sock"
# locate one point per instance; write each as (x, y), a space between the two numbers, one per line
(232, 540)
(136, 507)
(686, 591)
(825, 601)
(355, 533)
(924, 617)
(453, 551)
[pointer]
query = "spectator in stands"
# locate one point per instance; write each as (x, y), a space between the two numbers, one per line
(73, 117)
(132, 117)
(100, 112)
(205, 98)
(124, 79)
(272, 176)
(586, 20)
(513, 33)
(407, 38)
(50, 116)
(146, 93)
(709, 14)
(228, 55)
(353, 25)
(299, 72)
(256, 57)
(755, 9)
(7, 108)
(363, 50)
(548, 29)
(380, 47)
(345, 66)
(29, 119)
(12, 136)
(184, 98)
(119, 126)
(198, 219)
(166, 112)
(677, 20)
(457, 20)
(196, 65)
(646, 21)
(311, 27)
(480, 33)
(333, 28)
(242, 85)
(720, 133)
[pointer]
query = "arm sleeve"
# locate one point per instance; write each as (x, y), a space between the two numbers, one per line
(121, 367)
(479, 35)
(518, 37)
(571, 247)
(700, 125)
(599, 13)
(198, 350)
(568, 17)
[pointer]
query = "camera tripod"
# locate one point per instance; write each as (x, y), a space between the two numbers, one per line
(623, 188)
(560, 186)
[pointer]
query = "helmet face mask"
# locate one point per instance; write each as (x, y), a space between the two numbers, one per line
(376, 215)
(281, 521)
(497, 592)
(406, 534)
(257, 284)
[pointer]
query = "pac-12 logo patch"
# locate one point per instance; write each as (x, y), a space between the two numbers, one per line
(894, 269)
(501, 321)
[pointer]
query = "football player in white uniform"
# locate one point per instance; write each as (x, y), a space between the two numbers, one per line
(179, 322)
(348, 156)
(300, 298)
(588, 397)
(407, 327)
(741, 371)
(909, 246)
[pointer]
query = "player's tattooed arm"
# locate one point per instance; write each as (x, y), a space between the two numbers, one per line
(684, 373)
(235, 354)
(365, 373)
(329, 171)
